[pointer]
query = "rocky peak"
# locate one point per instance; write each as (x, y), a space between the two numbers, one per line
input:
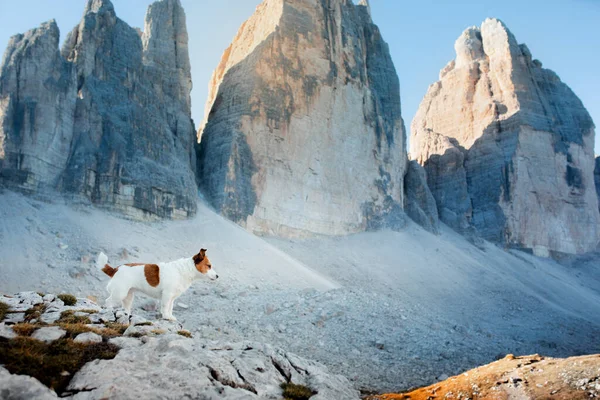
(303, 109)
(165, 46)
(113, 122)
(99, 7)
(365, 3)
(508, 147)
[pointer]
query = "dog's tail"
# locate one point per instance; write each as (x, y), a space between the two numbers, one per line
(102, 264)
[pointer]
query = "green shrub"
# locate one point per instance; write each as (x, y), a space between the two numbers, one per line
(35, 312)
(4, 308)
(47, 362)
(292, 391)
(69, 317)
(68, 299)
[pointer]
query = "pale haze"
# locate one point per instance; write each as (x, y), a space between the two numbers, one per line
(563, 34)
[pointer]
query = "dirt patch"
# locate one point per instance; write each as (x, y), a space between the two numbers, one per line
(528, 377)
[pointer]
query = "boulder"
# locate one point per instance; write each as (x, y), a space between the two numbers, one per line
(303, 132)
(419, 203)
(173, 367)
(508, 147)
(107, 118)
(49, 334)
(88, 337)
(20, 387)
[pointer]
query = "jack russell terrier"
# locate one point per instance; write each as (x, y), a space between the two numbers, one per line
(164, 281)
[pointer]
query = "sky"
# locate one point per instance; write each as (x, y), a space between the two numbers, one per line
(563, 34)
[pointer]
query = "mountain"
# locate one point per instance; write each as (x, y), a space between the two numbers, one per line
(508, 148)
(108, 117)
(303, 132)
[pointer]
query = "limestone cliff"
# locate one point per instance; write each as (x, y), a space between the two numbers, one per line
(303, 133)
(113, 108)
(597, 178)
(419, 203)
(508, 147)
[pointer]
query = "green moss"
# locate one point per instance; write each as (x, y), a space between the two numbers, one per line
(47, 362)
(186, 334)
(292, 391)
(69, 317)
(68, 299)
(4, 308)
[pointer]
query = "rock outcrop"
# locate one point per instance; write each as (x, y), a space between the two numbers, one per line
(508, 147)
(108, 117)
(527, 378)
(157, 358)
(597, 178)
(303, 133)
(419, 203)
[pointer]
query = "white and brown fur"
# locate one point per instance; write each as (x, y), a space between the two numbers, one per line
(164, 281)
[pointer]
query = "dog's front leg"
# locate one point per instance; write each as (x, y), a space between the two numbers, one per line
(166, 306)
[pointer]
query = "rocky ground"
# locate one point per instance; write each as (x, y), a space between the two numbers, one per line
(530, 377)
(157, 358)
(390, 310)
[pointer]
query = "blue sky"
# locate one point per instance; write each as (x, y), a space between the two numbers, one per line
(563, 34)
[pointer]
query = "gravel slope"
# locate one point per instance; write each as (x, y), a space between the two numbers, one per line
(388, 310)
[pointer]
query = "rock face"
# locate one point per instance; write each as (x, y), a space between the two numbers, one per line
(303, 133)
(419, 203)
(108, 117)
(597, 178)
(508, 147)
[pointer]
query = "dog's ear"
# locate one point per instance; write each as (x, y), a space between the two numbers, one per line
(200, 256)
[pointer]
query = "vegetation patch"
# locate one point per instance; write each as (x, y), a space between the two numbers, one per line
(69, 317)
(24, 328)
(291, 391)
(115, 326)
(35, 312)
(147, 323)
(54, 363)
(4, 309)
(158, 331)
(186, 334)
(68, 299)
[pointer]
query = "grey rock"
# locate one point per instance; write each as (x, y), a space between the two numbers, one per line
(170, 366)
(597, 179)
(508, 148)
(88, 337)
(419, 203)
(125, 342)
(14, 318)
(303, 132)
(49, 334)
(6, 332)
(107, 118)
(20, 387)
(50, 317)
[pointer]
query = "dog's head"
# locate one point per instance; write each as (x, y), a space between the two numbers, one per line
(203, 265)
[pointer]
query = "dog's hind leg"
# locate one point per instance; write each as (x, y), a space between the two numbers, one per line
(128, 301)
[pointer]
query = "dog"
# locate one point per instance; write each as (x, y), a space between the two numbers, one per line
(164, 281)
